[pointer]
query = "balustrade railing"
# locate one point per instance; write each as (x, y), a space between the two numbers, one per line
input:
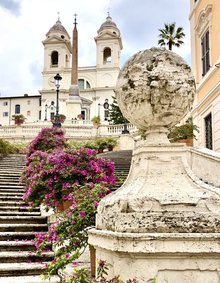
(73, 130)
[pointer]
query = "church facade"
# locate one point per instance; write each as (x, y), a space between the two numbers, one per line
(84, 92)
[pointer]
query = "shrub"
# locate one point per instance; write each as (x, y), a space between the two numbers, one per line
(49, 177)
(6, 147)
(19, 119)
(47, 140)
(185, 131)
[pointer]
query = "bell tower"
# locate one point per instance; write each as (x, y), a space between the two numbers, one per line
(108, 45)
(57, 54)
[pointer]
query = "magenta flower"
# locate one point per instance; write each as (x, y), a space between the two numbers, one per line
(82, 214)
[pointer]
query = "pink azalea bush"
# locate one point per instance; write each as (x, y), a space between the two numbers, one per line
(52, 178)
(48, 139)
(55, 174)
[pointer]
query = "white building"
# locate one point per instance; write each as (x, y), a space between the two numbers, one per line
(96, 83)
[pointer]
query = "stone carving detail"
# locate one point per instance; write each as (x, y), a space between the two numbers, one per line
(204, 20)
(155, 89)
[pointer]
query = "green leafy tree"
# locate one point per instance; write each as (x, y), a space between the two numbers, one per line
(171, 36)
(115, 114)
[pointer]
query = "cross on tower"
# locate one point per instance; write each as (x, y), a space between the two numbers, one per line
(75, 22)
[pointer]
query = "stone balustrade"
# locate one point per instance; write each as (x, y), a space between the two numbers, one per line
(77, 130)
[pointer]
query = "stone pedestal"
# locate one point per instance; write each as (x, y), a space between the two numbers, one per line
(163, 222)
(168, 257)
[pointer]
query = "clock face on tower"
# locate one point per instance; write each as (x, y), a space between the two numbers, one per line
(51, 81)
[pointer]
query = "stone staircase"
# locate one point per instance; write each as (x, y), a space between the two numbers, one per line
(122, 161)
(18, 259)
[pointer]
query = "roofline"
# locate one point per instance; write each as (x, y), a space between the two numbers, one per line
(29, 96)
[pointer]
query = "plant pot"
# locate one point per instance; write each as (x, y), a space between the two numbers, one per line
(188, 142)
(64, 205)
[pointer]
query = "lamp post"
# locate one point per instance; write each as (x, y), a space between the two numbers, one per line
(51, 107)
(57, 79)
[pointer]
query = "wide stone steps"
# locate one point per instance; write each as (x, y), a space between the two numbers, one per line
(29, 279)
(23, 269)
(122, 162)
(19, 262)
(19, 208)
(24, 256)
(17, 236)
(22, 245)
(23, 220)
(23, 227)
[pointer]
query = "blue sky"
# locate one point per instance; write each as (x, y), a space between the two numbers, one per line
(24, 24)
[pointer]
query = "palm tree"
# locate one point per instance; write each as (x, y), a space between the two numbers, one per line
(171, 36)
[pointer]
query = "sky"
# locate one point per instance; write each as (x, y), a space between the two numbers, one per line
(24, 24)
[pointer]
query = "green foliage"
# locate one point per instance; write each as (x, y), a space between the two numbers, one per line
(6, 147)
(185, 131)
(115, 114)
(98, 144)
(79, 144)
(171, 36)
(96, 120)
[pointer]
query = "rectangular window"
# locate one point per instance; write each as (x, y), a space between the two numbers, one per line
(5, 103)
(205, 53)
(5, 114)
(208, 131)
(17, 109)
(40, 115)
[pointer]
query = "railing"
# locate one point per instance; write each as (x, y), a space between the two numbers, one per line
(79, 130)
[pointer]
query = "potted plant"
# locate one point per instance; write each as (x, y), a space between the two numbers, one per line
(62, 118)
(96, 121)
(184, 133)
(111, 143)
(19, 119)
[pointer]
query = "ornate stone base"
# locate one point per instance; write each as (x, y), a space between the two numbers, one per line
(168, 257)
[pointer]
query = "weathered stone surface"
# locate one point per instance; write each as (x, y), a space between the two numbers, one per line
(161, 195)
(163, 222)
(155, 89)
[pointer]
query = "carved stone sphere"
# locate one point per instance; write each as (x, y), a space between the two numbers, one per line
(155, 89)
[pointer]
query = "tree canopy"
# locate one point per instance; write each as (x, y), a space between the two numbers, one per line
(171, 36)
(115, 114)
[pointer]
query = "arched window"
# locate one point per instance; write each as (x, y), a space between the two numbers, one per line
(107, 56)
(17, 109)
(54, 58)
(83, 84)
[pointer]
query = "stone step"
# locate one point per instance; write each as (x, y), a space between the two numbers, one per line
(22, 245)
(24, 256)
(19, 213)
(22, 269)
(10, 182)
(29, 279)
(16, 187)
(11, 194)
(9, 177)
(23, 227)
(19, 209)
(10, 198)
(12, 236)
(23, 220)
(3, 190)
(11, 203)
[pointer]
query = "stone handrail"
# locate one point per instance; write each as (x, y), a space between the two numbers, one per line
(205, 164)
